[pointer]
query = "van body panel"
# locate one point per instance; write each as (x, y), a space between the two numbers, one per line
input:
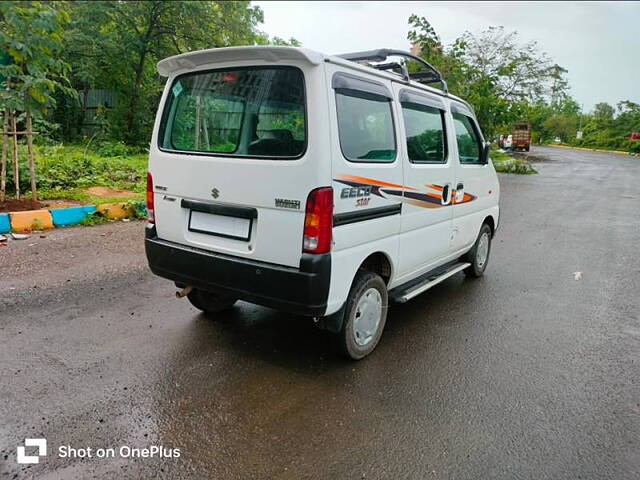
(480, 181)
(346, 262)
(276, 188)
(418, 215)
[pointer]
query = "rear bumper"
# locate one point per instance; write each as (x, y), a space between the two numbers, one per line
(302, 291)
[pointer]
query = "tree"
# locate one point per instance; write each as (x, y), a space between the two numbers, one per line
(492, 70)
(603, 115)
(560, 125)
(116, 45)
(31, 35)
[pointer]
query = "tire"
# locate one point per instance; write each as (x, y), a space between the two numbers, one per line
(210, 302)
(478, 256)
(365, 315)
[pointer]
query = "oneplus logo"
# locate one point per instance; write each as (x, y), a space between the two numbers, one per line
(41, 443)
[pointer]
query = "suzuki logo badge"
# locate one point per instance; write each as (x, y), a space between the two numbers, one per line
(215, 192)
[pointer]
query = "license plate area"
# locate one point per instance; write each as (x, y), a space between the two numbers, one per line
(220, 225)
(220, 220)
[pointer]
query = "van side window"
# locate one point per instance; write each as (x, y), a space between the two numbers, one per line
(424, 127)
(467, 138)
(365, 127)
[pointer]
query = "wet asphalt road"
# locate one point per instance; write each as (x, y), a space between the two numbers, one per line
(523, 374)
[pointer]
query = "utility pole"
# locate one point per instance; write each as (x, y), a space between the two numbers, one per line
(579, 132)
(580, 117)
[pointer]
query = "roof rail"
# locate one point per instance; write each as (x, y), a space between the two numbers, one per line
(432, 75)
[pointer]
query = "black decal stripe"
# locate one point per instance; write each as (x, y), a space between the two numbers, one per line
(423, 197)
(369, 214)
(219, 209)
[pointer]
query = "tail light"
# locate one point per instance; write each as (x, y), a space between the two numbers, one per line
(318, 221)
(151, 216)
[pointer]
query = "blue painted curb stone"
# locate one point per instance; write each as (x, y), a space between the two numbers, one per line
(5, 226)
(71, 215)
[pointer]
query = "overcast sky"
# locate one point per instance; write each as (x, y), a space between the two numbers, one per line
(598, 42)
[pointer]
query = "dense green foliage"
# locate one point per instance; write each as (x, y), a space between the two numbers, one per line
(113, 46)
(66, 171)
(31, 40)
(507, 81)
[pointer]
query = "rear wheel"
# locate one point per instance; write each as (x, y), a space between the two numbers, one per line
(365, 315)
(478, 256)
(210, 302)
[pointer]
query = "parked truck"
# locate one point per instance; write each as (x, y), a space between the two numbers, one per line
(521, 136)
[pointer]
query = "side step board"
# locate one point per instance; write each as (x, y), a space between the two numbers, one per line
(403, 293)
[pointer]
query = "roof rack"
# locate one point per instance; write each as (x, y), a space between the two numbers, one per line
(432, 75)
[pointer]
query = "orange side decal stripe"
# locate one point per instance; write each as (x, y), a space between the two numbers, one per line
(372, 181)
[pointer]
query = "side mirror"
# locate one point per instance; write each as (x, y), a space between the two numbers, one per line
(484, 154)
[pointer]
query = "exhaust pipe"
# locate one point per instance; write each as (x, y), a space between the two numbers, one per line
(184, 292)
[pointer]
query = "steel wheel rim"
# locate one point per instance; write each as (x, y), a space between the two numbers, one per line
(483, 250)
(367, 317)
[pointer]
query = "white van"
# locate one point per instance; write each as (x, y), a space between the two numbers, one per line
(315, 184)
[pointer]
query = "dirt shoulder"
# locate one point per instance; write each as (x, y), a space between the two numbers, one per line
(68, 256)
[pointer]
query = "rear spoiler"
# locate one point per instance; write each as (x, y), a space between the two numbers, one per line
(266, 53)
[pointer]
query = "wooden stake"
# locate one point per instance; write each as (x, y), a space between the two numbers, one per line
(3, 172)
(32, 161)
(206, 132)
(198, 121)
(14, 156)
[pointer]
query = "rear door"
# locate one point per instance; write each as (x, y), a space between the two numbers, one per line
(428, 176)
(234, 160)
(476, 184)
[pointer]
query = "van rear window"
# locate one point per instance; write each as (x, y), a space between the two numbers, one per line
(246, 112)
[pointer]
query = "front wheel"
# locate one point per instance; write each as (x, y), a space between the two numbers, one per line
(478, 256)
(210, 302)
(365, 315)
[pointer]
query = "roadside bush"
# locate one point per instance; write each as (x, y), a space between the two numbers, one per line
(95, 218)
(108, 148)
(504, 163)
(63, 167)
(138, 210)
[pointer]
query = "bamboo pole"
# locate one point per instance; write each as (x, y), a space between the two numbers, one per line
(3, 170)
(198, 121)
(14, 156)
(32, 161)
(206, 131)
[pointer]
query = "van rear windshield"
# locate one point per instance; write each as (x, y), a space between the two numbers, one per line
(245, 112)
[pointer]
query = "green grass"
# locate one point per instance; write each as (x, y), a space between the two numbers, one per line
(66, 171)
(95, 218)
